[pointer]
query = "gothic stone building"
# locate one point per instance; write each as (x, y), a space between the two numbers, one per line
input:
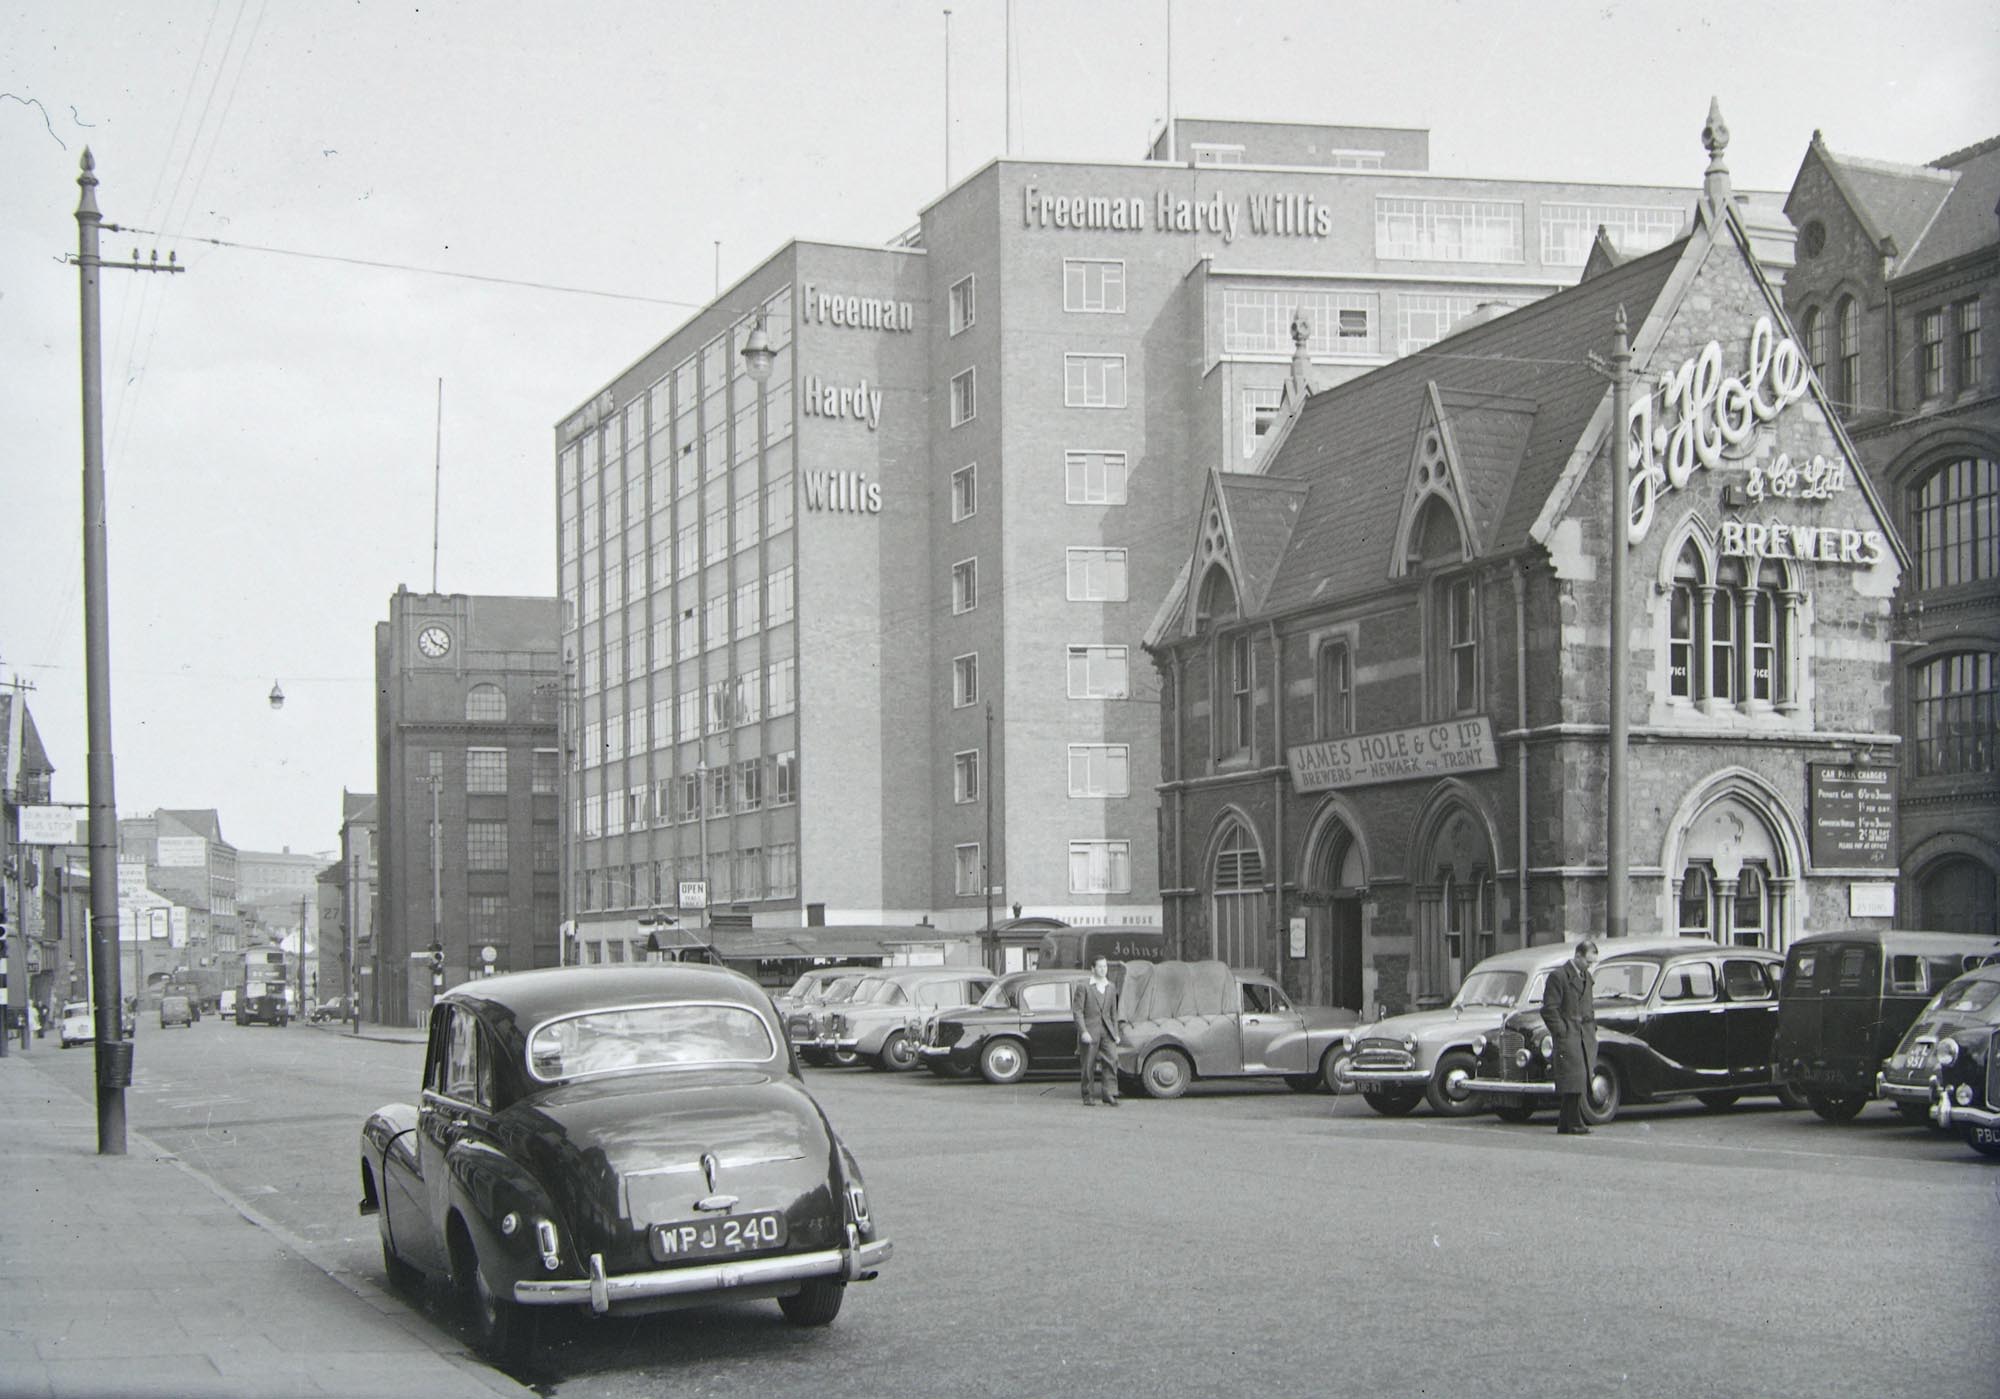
(1385, 669)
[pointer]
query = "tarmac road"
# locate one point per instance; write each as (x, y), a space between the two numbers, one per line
(1243, 1241)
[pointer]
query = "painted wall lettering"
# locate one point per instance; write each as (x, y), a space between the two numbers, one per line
(822, 307)
(1705, 418)
(849, 491)
(1750, 539)
(861, 403)
(1277, 215)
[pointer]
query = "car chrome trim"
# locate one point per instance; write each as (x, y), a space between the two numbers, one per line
(1507, 1085)
(1949, 1114)
(1360, 1075)
(601, 1291)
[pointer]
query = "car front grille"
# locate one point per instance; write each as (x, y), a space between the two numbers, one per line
(1383, 1054)
(1501, 1059)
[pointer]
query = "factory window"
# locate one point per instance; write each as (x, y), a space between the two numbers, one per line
(1448, 230)
(1956, 511)
(964, 493)
(1096, 575)
(1100, 867)
(1094, 381)
(1260, 413)
(485, 703)
(1100, 769)
(964, 585)
(545, 778)
(965, 680)
(1258, 321)
(1568, 230)
(965, 776)
(1094, 478)
(779, 596)
(1955, 717)
(964, 397)
(1093, 284)
(962, 303)
(966, 870)
(486, 770)
(784, 785)
(486, 845)
(1098, 672)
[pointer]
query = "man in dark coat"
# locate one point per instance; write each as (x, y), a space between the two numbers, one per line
(1567, 1010)
(1093, 1004)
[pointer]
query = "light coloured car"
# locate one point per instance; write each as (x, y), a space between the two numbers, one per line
(1190, 1020)
(79, 1023)
(1428, 1055)
(883, 1021)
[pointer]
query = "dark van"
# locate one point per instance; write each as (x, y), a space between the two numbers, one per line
(1848, 998)
(1079, 947)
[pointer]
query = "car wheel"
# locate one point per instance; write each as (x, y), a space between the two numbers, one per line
(1602, 1097)
(1916, 1114)
(1330, 1066)
(815, 1304)
(505, 1329)
(1789, 1096)
(1717, 1102)
(1399, 1102)
(1836, 1107)
(898, 1054)
(845, 1058)
(1515, 1109)
(1167, 1074)
(1446, 1092)
(1983, 1140)
(1003, 1061)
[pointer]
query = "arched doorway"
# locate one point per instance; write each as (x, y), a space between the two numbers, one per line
(1457, 918)
(1336, 878)
(1956, 894)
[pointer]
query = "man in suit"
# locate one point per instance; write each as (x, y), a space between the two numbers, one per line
(1567, 1002)
(1093, 1004)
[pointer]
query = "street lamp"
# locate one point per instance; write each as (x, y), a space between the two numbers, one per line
(277, 696)
(758, 356)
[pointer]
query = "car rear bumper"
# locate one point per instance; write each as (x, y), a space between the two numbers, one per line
(1520, 1088)
(601, 1292)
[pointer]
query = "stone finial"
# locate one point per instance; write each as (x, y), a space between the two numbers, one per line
(1302, 329)
(1715, 139)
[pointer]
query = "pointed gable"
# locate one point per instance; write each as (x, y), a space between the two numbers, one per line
(1967, 221)
(1259, 513)
(1894, 204)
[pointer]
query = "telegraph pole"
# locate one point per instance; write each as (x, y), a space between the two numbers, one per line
(114, 1053)
(986, 847)
(1617, 893)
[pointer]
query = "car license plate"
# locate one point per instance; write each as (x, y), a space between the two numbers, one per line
(720, 1237)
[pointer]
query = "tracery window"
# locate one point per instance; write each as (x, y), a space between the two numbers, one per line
(1730, 631)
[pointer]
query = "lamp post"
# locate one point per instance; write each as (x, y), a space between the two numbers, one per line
(759, 358)
(436, 783)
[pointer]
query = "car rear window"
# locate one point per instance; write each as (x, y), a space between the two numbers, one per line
(648, 1037)
(1746, 980)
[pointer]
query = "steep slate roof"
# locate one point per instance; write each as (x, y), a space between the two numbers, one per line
(356, 806)
(1518, 395)
(1968, 219)
(206, 823)
(1891, 200)
(1261, 512)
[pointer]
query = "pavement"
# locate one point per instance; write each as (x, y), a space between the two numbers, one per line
(138, 1276)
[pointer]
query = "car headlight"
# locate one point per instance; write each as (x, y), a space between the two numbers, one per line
(1963, 1095)
(1947, 1053)
(1521, 1056)
(1479, 1045)
(1548, 1046)
(1409, 1044)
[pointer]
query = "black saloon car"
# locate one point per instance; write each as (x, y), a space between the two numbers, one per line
(1021, 1025)
(1946, 1069)
(621, 1140)
(1670, 1024)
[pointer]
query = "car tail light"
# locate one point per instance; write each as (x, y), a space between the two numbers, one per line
(545, 1241)
(857, 1200)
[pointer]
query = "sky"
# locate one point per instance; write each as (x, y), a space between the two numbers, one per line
(418, 236)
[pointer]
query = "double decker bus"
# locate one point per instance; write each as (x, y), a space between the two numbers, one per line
(263, 994)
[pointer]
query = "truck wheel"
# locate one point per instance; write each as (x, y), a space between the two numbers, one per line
(1836, 1107)
(1003, 1061)
(1167, 1074)
(1446, 1092)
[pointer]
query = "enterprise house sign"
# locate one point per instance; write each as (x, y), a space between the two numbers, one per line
(1394, 755)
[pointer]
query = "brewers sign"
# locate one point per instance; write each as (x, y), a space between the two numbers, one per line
(1394, 755)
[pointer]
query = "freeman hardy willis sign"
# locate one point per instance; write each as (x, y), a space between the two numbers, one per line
(1394, 755)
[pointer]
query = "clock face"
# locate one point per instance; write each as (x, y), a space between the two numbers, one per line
(434, 641)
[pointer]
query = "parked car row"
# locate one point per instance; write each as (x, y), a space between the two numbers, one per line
(1837, 1021)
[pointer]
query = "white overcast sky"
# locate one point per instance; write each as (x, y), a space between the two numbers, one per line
(270, 418)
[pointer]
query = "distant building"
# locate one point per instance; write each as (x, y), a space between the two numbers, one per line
(26, 779)
(961, 493)
(1898, 274)
(1384, 666)
(357, 892)
(181, 855)
(467, 805)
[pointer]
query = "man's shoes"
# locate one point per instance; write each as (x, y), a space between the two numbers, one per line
(1111, 1102)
